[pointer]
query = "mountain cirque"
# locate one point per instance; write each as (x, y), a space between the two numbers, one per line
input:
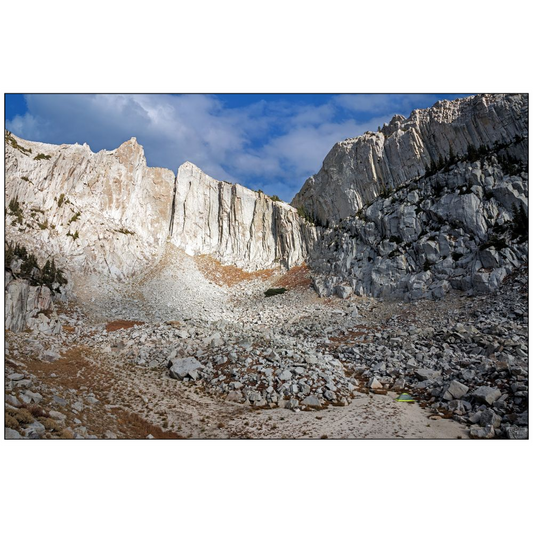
(404, 260)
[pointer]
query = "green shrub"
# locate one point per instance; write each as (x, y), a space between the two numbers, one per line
(494, 242)
(275, 198)
(38, 157)
(11, 140)
(61, 200)
(273, 292)
(16, 210)
(75, 217)
(23, 416)
(520, 223)
(125, 231)
(11, 422)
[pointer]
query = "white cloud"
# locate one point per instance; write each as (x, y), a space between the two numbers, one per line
(267, 144)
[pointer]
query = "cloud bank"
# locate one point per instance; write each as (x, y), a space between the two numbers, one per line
(273, 144)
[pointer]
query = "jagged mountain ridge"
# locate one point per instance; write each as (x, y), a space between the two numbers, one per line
(358, 170)
(110, 212)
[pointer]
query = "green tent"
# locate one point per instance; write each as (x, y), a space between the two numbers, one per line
(404, 397)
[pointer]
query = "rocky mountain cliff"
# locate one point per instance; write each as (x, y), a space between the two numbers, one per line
(431, 203)
(235, 224)
(356, 171)
(109, 212)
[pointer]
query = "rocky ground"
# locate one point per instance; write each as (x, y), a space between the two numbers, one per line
(195, 350)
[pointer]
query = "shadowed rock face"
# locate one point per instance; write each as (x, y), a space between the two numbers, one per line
(358, 170)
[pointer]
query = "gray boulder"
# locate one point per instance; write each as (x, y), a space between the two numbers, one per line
(182, 367)
(455, 390)
(11, 434)
(424, 374)
(374, 384)
(477, 432)
(487, 395)
(343, 291)
(515, 432)
(312, 401)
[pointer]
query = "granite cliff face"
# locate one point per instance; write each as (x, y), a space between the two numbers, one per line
(108, 212)
(358, 170)
(431, 203)
(462, 228)
(235, 224)
(104, 212)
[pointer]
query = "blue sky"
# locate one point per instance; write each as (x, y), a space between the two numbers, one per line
(272, 142)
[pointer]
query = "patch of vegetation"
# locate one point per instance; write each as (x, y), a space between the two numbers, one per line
(386, 192)
(25, 178)
(309, 218)
(494, 242)
(75, 217)
(61, 200)
(11, 422)
(275, 198)
(125, 231)
(48, 275)
(50, 424)
(44, 225)
(38, 157)
(15, 209)
(23, 416)
(8, 137)
(519, 228)
(273, 292)
(74, 235)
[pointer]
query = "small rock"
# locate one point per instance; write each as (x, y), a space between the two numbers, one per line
(234, 396)
(182, 367)
(456, 390)
(312, 401)
(515, 432)
(11, 434)
(486, 394)
(477, 432)
(374, 384)
(11, 399)
(424, 374)
(285, 375)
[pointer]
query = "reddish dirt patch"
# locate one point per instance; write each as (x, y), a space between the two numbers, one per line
(296, 277)
(76, 369)
(227, 275)
(122, 324)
